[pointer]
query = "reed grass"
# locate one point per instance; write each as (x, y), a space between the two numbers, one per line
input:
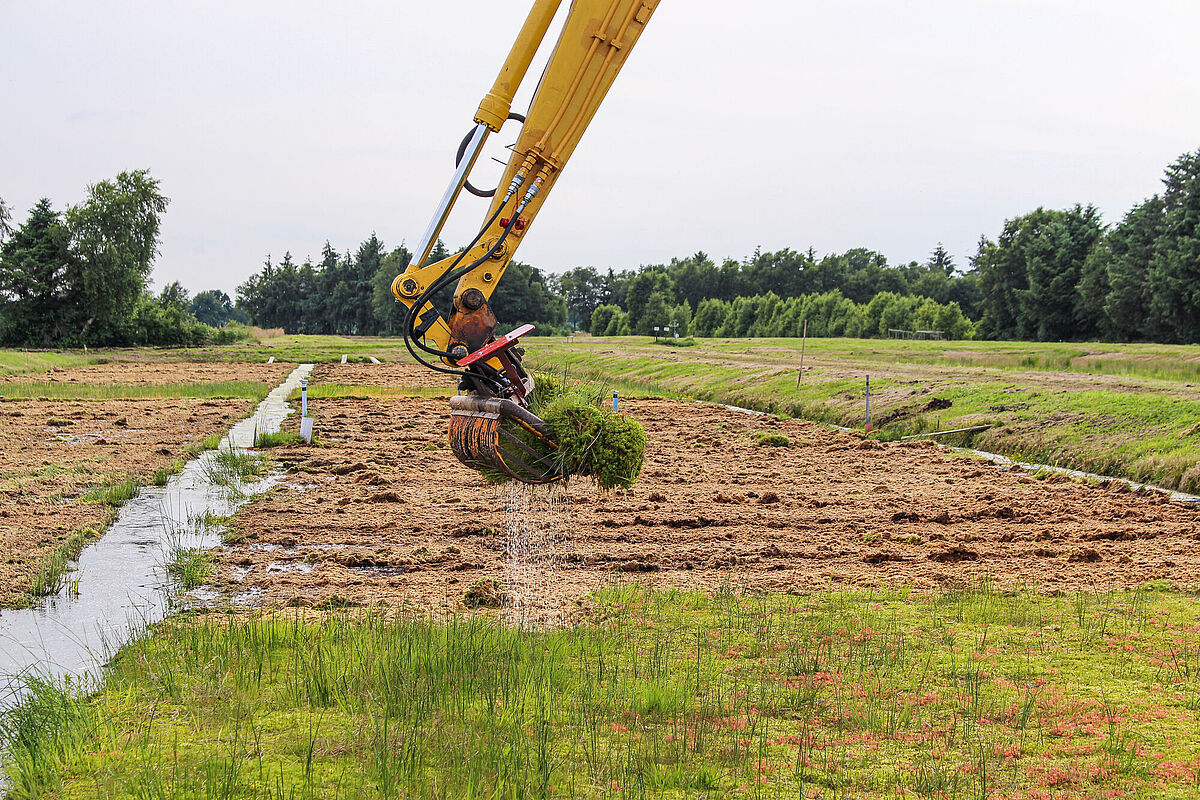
(189, 567)
(884, 694)
(264, 440)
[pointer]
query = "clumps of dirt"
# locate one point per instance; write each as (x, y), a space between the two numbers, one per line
(906, 412)
(833, 521)
(768, 498)
(485, 593)
(346, 469)
(883, 558)
(954, 555)
(1086, 556)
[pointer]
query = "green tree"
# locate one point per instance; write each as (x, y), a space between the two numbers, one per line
(523, 295)
(601, 316)
(1120, 266)
(34, 263)
(390, 312)
(655, 313)
(1174, 278)
(710, 317)
(173, 295)
(642, 287)
(114, 239)
(582, 288)
(5, 220)
(212, 307)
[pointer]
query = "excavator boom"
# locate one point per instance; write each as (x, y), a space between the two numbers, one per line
(596, 39)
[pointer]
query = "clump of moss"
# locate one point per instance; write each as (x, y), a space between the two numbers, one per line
(773, 440)
(485, 593)
(602, 444)
(592, 441)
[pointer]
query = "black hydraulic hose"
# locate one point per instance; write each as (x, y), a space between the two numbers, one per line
(449, 277)
(409, 328)
(409, 317)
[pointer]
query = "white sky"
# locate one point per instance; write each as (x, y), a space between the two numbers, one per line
(274, 126)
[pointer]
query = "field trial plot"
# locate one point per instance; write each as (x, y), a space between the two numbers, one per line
(382, 513)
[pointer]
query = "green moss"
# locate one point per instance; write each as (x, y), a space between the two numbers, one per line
(604, 445)
(773, 440)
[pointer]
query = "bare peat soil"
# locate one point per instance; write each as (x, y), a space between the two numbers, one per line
(56, 454)
(128, 373)
(384, 514)
(393, 373)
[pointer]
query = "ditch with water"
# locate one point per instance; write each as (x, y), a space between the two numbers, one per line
(119, 584)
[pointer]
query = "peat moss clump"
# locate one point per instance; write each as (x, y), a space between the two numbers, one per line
(773, 440)
(592, 441)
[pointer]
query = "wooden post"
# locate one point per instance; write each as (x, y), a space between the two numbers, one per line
(803, 342)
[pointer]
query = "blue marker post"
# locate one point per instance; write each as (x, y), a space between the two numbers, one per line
(614, 399)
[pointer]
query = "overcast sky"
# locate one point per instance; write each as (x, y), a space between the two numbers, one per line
(274, 126)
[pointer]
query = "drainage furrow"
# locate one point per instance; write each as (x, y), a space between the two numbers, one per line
(119, 585)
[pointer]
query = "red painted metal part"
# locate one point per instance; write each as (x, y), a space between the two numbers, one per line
(502, 342)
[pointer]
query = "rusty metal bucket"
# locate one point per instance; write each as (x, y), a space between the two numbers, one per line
(483, 435)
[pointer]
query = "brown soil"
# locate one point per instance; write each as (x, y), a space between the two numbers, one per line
(385, 514)
(150, 373)
(52, 452)
(392, 373)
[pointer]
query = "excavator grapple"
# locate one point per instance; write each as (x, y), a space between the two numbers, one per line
(491, 434)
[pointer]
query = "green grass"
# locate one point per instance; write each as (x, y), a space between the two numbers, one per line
(670, 694)
(1145, 427)
(210, 442)
(53, 568)
(231, 469)
(55, 390)
(14, 362)
(189, 567)
(354, 391)
(113, 493)
(263, 440)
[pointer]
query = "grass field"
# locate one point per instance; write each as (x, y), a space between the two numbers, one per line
(1123, 410)
(670, 694)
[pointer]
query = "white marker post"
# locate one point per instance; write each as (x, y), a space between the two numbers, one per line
(868, 426)
(343, 358)
(374, 360)
(271, 360)
(306, 422)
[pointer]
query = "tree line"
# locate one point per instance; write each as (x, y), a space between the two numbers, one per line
(1051, 275)
(80, 276)
(351, 294)
(1055, 275)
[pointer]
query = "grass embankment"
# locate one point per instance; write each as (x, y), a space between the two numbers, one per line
(1122, 410)
(969, 695)
(13, 362)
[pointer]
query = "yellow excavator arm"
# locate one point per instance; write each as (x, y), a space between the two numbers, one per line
(593, 45)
